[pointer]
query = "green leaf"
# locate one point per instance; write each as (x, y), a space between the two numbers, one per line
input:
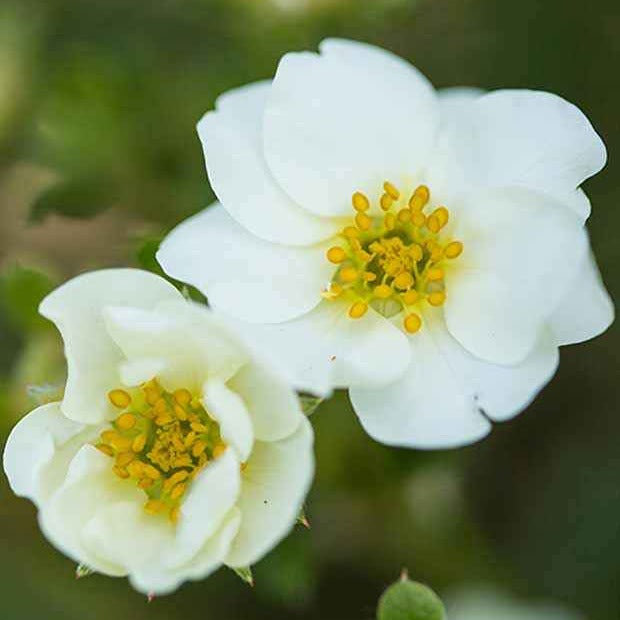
(21, 291)
(81, 198)
(245, 574)
(309, 404)
(409, 600)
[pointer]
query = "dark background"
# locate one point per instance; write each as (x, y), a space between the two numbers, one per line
(99, 158)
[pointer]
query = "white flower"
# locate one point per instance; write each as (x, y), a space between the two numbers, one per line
(173, 451)
(486, 604)
(426, 250)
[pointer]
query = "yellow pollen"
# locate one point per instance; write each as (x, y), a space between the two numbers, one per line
(403, 280)
(348, 274)
(336, 255)
(126, 421)
(363, 221)
(412, 323)
(453, 249)
(383, 291)
(391, 191)
(360, 202)
(161, 444)
(386, 202)
(119, 398)
(393, 260)
(437, 298)
(358, 310)
(410, 297)
(434, 274)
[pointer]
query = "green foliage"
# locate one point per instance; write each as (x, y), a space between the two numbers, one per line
(21, 291)
(81, 198)
(409, 600)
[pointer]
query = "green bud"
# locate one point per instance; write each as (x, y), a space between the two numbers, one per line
(409, 600)
(245, 574)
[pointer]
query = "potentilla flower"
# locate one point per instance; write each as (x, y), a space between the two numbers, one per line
(174, 450)
(426, 250)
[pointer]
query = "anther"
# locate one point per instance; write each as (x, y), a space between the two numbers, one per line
(360, 202)
(138, 444)
(453, 249)
(434, 274)
(120, 472)
(219, 450)
(124, 458)
(369, 276)
(182, 397)
(416, 252)
(386, 202)
(437, 298)
(389, 221)
(336, 255)
(363, 221)
(410, 297)
(351, 232)
(383, 291)
(433, 223)
(126, 421)
(412, 323)
(105, 449)
(403, 281)
(391, 190)
(119, 398)
(404, 215)
(154, 506)
(348, 274)
(443, 215)
(418, 218)
(358, 310)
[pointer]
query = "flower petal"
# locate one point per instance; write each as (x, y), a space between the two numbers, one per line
(274, 485)
(325, 349)
(157, 579)
(242, 275)
(521, 252)
(587, 309)
(427, 408)
(228, 409)
(36, 455)
(92, 357)
(272, 404)
(232, 140)
(182, 338)
(344, 120)
(520, 138)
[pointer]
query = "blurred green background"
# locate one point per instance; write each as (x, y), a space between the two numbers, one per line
(99, 158)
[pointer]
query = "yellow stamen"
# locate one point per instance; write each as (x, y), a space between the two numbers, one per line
(403, 280)
(369, 276)
(105, 449)
(351, 232)
(386, 202)
(336, 255)
(119, 398)
(437, 298)
(177, 491)
(348, 274)
(434, 274)
(219, 450)
(138, 443)
(182, 397)
(433, 224)
(391, 190)
(154, 506)
(404, 215)
(453, 249)
(124, 458)
(389, 221)
(363, 221)
(126, 421)
(410, 297)
(358, 310)
(360, 202)
(383, 291)
(412, 323)
(418, 219)
(120, 472)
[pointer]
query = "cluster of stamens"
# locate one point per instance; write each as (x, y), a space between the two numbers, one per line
(160, 440)
(393, 261)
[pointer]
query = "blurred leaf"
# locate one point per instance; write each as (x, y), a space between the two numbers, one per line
(145, 254)
(82, 198)
(21, 291)
(409, 600)
(81, 570)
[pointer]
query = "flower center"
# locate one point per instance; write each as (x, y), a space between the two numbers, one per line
(393, 262)
(160, 440)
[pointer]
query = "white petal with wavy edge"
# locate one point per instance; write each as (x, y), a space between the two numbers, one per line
(345, 120)
(92, 357)
(521, 252)
(522, 138)
(244, 276)
(232, 140)
(586, 310)
(274, 485)
(443, 398)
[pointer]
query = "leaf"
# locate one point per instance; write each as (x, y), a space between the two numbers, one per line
(82, 198)
(309, 404)
(245, 574)
(21, 291)
(409, 600)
